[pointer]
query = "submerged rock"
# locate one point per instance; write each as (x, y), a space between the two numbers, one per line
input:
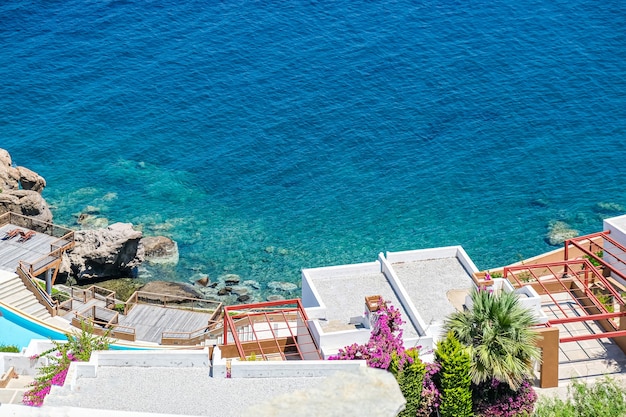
(252, 284)
(239, 290)
(231, 279)
(609, 208)
(559, 232)
(91, 221)
(282, 286)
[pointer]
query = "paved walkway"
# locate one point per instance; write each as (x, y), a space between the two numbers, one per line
(15, 390)
(185, 391)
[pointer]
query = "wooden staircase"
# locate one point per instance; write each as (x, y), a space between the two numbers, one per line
(14, 293)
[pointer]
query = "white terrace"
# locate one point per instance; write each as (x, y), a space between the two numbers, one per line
(425, 285)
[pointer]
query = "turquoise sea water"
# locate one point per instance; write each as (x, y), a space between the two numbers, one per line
(268, 137)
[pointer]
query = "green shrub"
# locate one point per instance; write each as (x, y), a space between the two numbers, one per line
(410, 379)
(454, 378)
(605, 398)
(9, 348)
(60, 296)
(593, 260)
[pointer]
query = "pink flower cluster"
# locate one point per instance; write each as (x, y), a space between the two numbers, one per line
(496, 399)
(431, 397)
(385, 341)
(53, 374)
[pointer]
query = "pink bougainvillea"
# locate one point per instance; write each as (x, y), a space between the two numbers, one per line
(52, 374)
(385, 341)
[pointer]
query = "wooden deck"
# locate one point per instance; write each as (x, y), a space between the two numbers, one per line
(12, 250)
(150, 322)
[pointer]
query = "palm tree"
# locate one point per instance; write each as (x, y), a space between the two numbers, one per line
(497, 331)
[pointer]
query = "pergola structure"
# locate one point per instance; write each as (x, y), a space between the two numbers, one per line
(578, 292)
(273, 330)
(581, 295)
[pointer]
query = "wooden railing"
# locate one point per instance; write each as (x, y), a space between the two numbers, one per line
(42, 296)
(173, 301)
(195, 337)
(34, 224)
(104, 323)
(66, 306)
(94, 292)
(53, 259)
(64, 242)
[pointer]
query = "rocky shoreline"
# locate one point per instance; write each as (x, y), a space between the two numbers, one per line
(111, 254)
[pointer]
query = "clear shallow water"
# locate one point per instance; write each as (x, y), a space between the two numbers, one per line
(268, 138)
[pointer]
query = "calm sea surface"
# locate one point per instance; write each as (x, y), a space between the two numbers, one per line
(268, 137)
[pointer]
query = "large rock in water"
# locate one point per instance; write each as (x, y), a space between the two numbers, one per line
(160, 250)
(113, 252)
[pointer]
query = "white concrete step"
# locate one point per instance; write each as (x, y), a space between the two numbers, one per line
(38, 311)
(18, 297)
(27, 304)
(10, 287)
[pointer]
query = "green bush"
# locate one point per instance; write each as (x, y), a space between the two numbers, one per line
(454, 378)
(605, 398)
(119, 308)
(410, 379)
(9, 348)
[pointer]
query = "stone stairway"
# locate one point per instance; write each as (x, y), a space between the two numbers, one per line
(14, 293)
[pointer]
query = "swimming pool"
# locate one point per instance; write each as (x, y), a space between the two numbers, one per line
(12, 334)
(17, 330)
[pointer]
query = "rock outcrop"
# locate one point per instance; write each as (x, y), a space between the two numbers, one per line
(30, 180)
(25, 202)
(113, 252)
(20, 190)
(160, 250)
(177, 289)
(9, 175)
